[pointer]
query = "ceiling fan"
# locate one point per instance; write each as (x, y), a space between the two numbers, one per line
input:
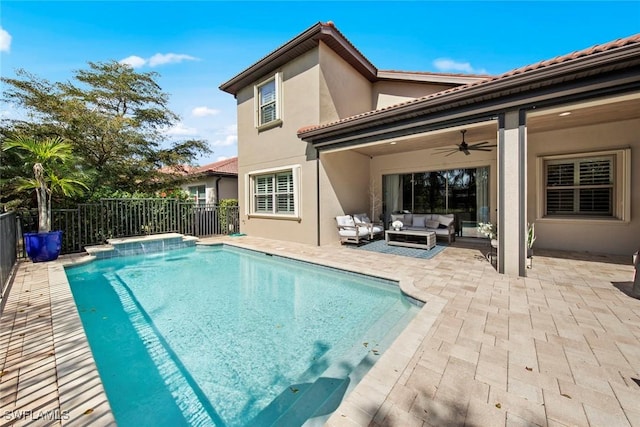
(466, 148)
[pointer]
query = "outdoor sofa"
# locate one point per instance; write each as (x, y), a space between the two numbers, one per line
(441, 224)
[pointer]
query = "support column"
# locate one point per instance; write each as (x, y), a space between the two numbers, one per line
(512, 193)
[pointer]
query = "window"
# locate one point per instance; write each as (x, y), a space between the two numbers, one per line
(267, 96)
(594, 186)
(274, 192)
(198, 194)
(464, 192)
(582, 186)
(267, 99)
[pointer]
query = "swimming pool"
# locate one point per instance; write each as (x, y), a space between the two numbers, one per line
(226, 336)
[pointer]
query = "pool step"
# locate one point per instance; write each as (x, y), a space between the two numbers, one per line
(310, 404)
(299, 403)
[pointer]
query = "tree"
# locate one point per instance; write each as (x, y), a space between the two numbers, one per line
(112, 116)
(48, 159)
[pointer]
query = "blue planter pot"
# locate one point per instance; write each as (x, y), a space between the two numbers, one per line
(43, 247)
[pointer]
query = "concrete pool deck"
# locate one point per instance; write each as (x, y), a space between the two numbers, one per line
(560, 347)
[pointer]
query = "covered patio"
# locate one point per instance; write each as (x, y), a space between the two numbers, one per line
(559, 148)
(559, 347)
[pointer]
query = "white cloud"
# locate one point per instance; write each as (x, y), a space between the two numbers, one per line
(11, 111)
(221, 158)
(157, 59)
(226, 141)
(180, 129)
(449, 65)
(169, 58)
(5, 40)
(134, 61)
(204, 111)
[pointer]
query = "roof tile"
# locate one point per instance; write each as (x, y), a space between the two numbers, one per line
(222, 167)
(227, 166)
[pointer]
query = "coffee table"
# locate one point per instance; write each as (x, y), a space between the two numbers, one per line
(411, 238)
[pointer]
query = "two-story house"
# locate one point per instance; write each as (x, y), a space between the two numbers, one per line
(323, 132)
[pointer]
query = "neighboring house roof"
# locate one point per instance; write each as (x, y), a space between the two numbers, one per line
(587, 62)
(222, 167)
(227, 167)
(329, 34)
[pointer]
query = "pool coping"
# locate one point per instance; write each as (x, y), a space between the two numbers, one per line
(78, 375)
(80, 388)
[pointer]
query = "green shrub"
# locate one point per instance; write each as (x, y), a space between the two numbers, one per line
(224, 217)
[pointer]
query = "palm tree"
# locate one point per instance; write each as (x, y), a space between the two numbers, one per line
(48, 158)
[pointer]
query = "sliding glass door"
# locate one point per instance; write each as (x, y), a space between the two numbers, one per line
(464, 192)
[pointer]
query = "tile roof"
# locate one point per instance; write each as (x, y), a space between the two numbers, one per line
(225, 167)
(573, 56)
(222, 167)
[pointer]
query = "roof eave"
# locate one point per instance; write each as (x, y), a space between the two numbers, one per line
(272, 61)
(449, 79)
(304, 42)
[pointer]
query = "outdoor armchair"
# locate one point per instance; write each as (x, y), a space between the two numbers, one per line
(350, 232)
(375, 229)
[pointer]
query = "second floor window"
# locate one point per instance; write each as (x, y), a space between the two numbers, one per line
(268, 101)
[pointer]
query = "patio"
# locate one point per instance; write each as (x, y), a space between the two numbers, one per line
(559, 347)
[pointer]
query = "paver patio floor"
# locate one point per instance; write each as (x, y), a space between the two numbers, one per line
(559, 347)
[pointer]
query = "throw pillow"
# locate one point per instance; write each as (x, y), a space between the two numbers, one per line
(345, 221)
(418, 221)
(359, 218)
(445, 220)
(432, 223)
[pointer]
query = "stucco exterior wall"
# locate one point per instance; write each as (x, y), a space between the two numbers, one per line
(344, 189)
(604, 236)
(343, 91)
(280, 146)
(227, 186)
(388, 93)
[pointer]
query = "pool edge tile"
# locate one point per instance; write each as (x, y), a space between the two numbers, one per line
(75, 383)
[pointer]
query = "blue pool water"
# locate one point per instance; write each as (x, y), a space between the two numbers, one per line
(225, 336)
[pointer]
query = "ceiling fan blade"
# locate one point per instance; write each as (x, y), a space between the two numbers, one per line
(482, 144)
(480, 149)
(466, 150)
(453, 152)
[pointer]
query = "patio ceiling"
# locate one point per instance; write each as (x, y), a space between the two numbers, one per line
(588, 113)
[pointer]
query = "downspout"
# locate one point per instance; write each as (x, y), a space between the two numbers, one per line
(218, 178)
(317, 197)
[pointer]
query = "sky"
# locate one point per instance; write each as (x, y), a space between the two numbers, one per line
(196, 46)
